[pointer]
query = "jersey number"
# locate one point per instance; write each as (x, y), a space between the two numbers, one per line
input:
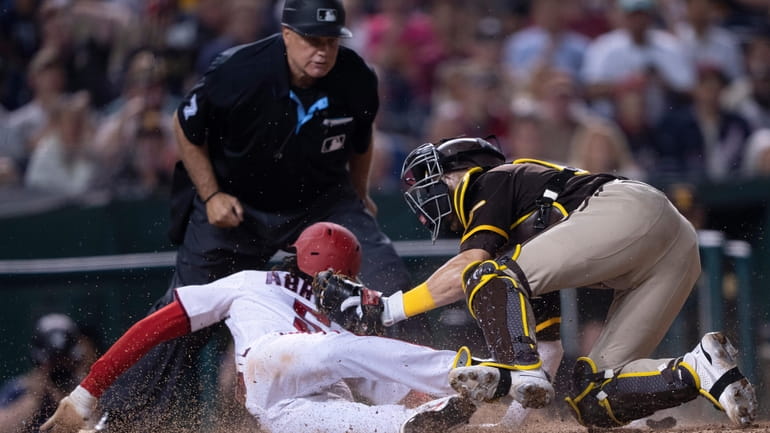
(300, 321)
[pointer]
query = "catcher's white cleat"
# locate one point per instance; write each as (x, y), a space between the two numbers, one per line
(720, 381)
(442, 415)
(531, 388)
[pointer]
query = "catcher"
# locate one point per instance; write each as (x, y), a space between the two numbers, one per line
(531, 228)
(296, 368)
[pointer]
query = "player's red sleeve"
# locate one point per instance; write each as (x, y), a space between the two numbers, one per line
(169, 322)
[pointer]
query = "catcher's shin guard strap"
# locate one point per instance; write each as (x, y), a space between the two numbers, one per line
(604, 399)
(505, 317)
(510, 266)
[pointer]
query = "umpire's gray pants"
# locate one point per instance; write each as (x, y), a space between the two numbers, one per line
(627, 236)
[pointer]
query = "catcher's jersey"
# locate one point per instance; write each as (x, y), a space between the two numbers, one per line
(254, 304)
(495, 200)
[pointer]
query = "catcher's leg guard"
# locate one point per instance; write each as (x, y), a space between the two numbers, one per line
(505, 316)
(501, 307)
(606, 399)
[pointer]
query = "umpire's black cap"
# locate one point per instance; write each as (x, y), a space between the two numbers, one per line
(316, 18)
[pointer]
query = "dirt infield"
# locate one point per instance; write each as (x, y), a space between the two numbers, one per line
(695, 417)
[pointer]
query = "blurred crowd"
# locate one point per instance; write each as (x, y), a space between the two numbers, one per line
(666, 90)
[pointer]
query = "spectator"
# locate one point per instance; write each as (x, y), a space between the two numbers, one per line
(84, 34)
(561, 113)
(19, 41)
(454, 24)
(708, 43)
(470, 101)
(591, 19)
(601, 147)
(24, 126)
(525, 139)
(757, 160)
(28, 400)
(404, 47)
(650, 62)
(134, 145)
(546, 44)
(703, 141)
(245, 24)
(750, 97)
(471, 97)
(60, 163)
(744, 17)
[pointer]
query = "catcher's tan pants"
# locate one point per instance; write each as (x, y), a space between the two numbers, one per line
(630, 238)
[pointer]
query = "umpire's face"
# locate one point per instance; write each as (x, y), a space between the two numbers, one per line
(309, 57)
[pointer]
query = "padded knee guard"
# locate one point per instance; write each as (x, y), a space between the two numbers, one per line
(606, 399)
(500, 304)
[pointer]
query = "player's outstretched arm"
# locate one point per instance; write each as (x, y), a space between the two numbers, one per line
(363, 310)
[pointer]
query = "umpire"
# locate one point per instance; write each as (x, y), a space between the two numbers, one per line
(275, 136)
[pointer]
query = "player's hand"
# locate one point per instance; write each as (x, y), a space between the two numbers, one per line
(72, 414)
(224, 210)
(347, 302)
(355, 307)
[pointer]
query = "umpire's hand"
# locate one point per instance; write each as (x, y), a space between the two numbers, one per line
(224, 210)
(73, 413)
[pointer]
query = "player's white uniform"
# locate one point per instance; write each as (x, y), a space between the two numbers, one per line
(292, 358)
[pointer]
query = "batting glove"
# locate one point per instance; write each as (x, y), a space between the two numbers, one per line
(371, 302)
(73, 412)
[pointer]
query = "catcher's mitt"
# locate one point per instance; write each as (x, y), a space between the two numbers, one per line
(347, 302)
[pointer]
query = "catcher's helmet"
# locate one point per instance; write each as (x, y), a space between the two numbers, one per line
(426, 195)
(316, 18)
(326, 245)
(55, 339)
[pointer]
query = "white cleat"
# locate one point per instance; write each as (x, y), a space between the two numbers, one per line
(482, 383)
(714, 361)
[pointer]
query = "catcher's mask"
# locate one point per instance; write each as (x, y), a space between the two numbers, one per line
(426, 194)
(322, 246)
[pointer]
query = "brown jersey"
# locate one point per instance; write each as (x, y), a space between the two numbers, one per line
(490, 204)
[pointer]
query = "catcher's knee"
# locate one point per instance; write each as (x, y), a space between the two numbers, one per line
(499, 274)
(500, 304)
(606, 399)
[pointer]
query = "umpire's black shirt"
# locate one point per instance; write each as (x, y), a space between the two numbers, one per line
(268, 150)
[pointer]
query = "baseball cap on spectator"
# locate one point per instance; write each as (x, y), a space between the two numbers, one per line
(316, 18)
(55, 337)
(636, 5)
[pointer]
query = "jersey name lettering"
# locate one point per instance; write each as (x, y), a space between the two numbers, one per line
(291, 283)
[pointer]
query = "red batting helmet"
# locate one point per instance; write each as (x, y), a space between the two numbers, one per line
(326, 245)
